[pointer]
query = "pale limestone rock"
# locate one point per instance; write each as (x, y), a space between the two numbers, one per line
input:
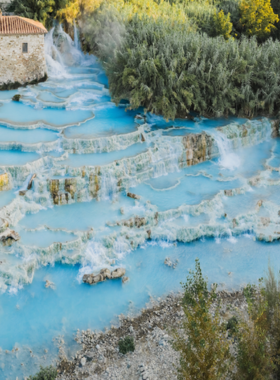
(117, 273)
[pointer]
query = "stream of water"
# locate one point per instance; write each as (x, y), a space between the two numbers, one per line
(215, 197)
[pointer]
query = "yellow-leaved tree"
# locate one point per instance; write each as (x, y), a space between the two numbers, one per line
(127, 8)
(75, 8)
(257, 17)
(221, 25)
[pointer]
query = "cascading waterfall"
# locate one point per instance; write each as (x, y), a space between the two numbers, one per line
(53, 57)
(77, 42)
(109, 193)
(228, 158)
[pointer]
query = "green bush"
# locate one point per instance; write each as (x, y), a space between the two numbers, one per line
(45, 373)
(16, 98)
(232, 326)
(171, 71)
(205, 353)
(126, 344)
(43, 10)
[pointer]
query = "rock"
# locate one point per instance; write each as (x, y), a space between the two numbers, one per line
(103, 275)
(97, 278)
(83, 362)
(275, 128)
(93, 279)
(134, 196)
(5, 182)
(16, 98)
(139, 119)
(125, 279)
(117, 273)
(106, 273)
(260, 203)
(168, 262)
(22, 193)
(70, 185)
(265, 221)
(139, 222)
(4, 224)
(228, 193)
(49, 284)
(29, 186)
(9, 236)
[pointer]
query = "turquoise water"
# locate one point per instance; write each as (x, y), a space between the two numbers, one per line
(11, 157)
(26, 115)
(105, 158)
(121, 121)
(26, 136)
(39, 314)
(218, 211)
(82, 216)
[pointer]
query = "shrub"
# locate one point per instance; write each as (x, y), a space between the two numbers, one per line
(126, 344)
(45, 373)
(255, 353)
(257, 17)
(204, 350)
(16, 98)
(170, 71)
(232, 326)
(221, 25)
(271, 293)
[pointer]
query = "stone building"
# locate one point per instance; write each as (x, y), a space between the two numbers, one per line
(22, 53)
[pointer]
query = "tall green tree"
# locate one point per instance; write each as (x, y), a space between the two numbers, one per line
(39, 10)
(204, 349)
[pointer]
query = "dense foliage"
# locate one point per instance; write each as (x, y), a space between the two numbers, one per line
(38, 10)
(126, 345)
(176, 56)
(255, 337)
(45, 373)
(204, 348)
(257, 17)
(171, 71)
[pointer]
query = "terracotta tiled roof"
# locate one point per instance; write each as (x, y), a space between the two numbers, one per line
(20, 25)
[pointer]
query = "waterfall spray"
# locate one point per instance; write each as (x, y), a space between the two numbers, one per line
(77, 42)
(228, 159)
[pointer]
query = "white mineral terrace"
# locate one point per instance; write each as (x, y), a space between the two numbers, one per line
(86, 185)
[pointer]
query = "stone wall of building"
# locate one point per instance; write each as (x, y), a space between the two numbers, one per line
(17, 66)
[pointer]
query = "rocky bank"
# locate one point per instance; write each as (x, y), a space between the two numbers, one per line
(154, 357)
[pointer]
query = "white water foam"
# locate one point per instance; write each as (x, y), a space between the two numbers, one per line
(228, 159)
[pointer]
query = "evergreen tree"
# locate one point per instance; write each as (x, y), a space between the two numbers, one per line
(203, 347)
(38, 10)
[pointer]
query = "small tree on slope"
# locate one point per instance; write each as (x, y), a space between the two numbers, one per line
(204, 348)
